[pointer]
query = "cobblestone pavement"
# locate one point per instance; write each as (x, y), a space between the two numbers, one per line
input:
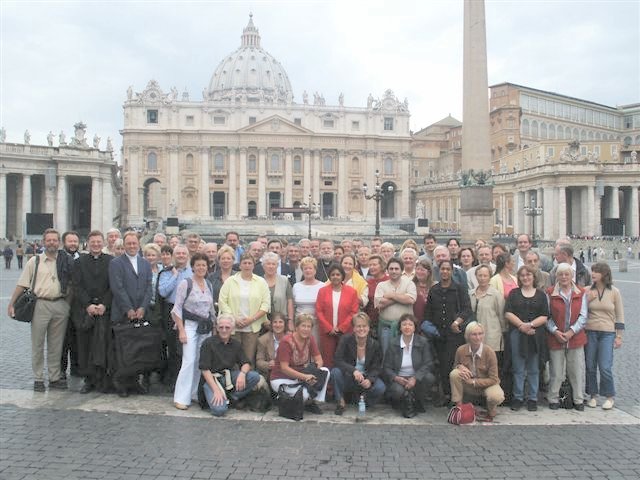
(66, 435)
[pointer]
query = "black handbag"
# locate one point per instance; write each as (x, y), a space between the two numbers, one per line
(291, 406)
(25, 304)
(566, 395)
(321, 379)
(137, 347)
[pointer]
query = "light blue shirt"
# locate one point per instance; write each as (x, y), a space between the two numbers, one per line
(582, 317)
(168, 283)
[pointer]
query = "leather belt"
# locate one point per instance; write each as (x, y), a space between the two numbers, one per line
(51, 299)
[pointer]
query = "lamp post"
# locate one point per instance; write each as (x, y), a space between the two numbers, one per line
(310, 209)
(377, 195)
(533, 211)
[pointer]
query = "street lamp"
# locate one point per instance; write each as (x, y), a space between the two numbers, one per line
(377, 195)
(310, 209)
(533, 212)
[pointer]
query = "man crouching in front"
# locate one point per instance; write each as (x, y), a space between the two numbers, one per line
(227, 373)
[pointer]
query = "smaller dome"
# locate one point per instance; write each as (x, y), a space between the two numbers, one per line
(250, 74)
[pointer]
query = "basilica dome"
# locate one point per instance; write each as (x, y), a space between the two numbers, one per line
(250, 74)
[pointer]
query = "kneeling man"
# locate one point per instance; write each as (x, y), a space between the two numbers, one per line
(226, 370)
(475, 371)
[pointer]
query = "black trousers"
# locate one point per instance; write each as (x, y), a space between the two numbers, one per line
(446, 354)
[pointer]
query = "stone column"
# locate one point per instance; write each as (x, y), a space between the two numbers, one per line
(288, 179)
(173, 169)
(316, 178)
(204, 209)
(243, 201)
(518, 207)
(107, 204)
(3, 205)
(503, 213)
(26, 202)
(591, 212)
(539, 218)
(547, 213)
(562, 211)
(62, 206)
(306, 168)
(232, 195)
(597, 210)
(262, 183)
(50, 199)
(633, 229)
(96, 203)
(476, 202)
(614, 203)
(402, 210)
(134, 215)
(342, 184)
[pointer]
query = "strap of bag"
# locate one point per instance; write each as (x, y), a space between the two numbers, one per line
(35, 274)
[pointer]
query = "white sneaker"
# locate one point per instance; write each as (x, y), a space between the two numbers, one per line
(608, 404)
(592, 403)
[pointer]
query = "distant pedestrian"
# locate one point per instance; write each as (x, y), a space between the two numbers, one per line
(8, 255)
(581, 256)
(19, 255)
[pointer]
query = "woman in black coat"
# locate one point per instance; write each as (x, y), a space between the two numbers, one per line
(408, 368)
(448, 309)
(358, 363)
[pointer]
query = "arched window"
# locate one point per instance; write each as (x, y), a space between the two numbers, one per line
(274, 165)
(543, 130)
(218, 162)
(525, 127)
(583, 135)
(327, 164)
(534, 129)
(297, 164)
(552, 132)
(627, 141)
(189, 161)
(251, 164)
(152, 161)
(576, 134)
(388, 166)
(355, 165)
(591, 137)
(567, 133)
(598, 136)
(251, 209)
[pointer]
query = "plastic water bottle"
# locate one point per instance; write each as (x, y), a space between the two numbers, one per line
(362, 407)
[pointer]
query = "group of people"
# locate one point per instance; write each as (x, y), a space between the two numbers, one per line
(357, 322)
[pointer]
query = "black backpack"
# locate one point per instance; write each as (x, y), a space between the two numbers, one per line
(566, 395)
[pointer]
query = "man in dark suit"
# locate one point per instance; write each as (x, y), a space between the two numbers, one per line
(130, 281)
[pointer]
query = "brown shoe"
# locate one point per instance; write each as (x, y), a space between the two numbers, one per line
(180, 406)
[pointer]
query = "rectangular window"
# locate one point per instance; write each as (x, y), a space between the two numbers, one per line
(219, 120)
(583, 150)
(252, 120)
(218, 181)
(297, 183)
(297, 121)
(596, 149)
(297, 164)
(189, 121)
(388, 123)
(550, 152)
(328, 183)
(252, 181)
(614, 149)
(355, 125)
(328, 123)
(152, 116)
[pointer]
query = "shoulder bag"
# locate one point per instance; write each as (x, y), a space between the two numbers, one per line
(291, 406)
(462, 414)
(25, 305)
(137, 346)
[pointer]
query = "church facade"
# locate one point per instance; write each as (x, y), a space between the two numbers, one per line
(247, 147)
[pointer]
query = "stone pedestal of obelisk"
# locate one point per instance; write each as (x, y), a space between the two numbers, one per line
(476, 186)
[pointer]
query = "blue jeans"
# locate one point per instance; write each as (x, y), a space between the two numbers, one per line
(598, 354)
(521, 366)
(252, 379)
(343, 384)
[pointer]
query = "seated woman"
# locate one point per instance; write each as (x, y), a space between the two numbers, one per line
(295, 352)
(476, 371)
(268, 345)
(226, 369)
(358, 364)
(408, 368)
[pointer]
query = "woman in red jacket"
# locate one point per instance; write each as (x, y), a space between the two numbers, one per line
(566, 338)
(335, 306)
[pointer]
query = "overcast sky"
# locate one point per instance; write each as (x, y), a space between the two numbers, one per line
(66, 61)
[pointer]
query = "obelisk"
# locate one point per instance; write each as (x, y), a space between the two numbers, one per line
(476, 185)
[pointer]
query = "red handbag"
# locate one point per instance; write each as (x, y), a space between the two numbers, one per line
(462, 414)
